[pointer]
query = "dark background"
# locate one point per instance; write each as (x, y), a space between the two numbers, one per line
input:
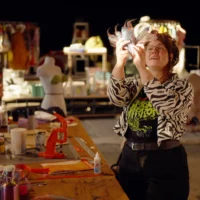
(56, 18)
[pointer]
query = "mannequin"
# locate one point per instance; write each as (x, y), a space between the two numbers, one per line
(51, 78)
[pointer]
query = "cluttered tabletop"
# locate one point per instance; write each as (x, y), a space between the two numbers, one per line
(59, 161)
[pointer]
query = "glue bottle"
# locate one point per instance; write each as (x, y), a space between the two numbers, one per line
(97, 164)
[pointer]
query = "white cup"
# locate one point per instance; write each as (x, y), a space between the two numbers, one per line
(18, 140)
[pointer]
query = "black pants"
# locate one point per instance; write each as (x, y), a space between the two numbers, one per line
(154, 175)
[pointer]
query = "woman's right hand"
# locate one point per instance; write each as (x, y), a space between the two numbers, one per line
(122, 52)
(138, 56)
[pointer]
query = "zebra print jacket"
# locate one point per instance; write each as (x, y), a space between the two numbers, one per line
(172, 99)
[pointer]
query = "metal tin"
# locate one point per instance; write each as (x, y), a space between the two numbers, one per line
(39, 140)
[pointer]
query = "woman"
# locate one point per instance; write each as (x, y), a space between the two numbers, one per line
(153, 164)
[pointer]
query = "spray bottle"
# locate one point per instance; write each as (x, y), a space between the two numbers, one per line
(97, 164)
(9, 188)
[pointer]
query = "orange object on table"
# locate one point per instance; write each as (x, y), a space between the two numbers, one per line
(58, 135)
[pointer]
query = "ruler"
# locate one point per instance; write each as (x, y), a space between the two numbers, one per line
(83, 144)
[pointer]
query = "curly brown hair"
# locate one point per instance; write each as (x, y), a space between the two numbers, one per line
(172, 48)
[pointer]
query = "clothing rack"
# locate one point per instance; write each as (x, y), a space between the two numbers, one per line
(12, 43)
(173, 28)
(17, 22)
(169, 26)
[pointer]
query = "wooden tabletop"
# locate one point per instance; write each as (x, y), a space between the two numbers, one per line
(78, 185)
(92, 188)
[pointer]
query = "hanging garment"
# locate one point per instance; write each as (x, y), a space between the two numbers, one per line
(20, 52)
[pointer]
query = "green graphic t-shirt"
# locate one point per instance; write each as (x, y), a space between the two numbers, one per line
(142, 120)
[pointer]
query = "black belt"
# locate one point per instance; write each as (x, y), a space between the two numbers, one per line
(166, 144)
(53, 93)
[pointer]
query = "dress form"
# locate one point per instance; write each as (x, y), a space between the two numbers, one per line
(54, 96)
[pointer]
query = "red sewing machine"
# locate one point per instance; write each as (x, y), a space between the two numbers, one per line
(58, 135)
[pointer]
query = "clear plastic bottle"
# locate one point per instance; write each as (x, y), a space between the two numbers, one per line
(9, 152)
(1, 174)
(97, 164)
(4, 115)
(9, 188)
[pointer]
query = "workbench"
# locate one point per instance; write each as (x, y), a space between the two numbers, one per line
(79, 106)
(77, 185)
